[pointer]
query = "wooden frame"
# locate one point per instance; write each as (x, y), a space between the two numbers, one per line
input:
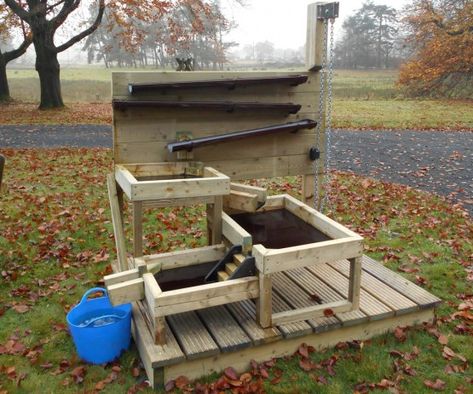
(343, 244)
(140, 284)
(198, 184)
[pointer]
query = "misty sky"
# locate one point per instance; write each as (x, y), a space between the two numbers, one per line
(283, 22)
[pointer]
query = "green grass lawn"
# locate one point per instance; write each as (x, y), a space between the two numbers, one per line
(56, 242)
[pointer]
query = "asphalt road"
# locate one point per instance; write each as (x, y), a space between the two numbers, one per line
(437, 162)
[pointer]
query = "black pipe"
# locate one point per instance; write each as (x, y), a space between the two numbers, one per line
(229, 83)
(238, 135)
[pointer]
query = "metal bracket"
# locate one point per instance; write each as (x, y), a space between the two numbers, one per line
(184, 136)
(328, 10)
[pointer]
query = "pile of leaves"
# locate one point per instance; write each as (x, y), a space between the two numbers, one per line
(56, 241)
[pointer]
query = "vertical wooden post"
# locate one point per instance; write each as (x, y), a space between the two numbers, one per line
(314, 54)
(308, 189)
(152, 292)
(264, 304)
(117, 222)
(137, 228)
(214, 221)
(354, 282)
(314, 41)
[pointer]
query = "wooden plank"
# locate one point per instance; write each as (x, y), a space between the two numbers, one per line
(236, 234)
(117, 222)
(415, 293)
(297, 298)
(121, 79)
(272, 203)
(214, 221)
(120, 277)
(264, 301)
(125, 179)
(137, 228)
(204, 296)
(129, 291)
(284, 144)
(163, 126)
(192, 336)
(392, 298)
(277, 260)
(226, 332)
(290, 330)
(371, 306)
(310, 312)
(261, 193)
(180, 188)
(318, 220)
(153, 291)
(240, 361)
(314, 39)
(354, 282)
(184, 258)
(244, 313)
(308, 189)
(207, 291)
(318, 289)
(154, 356)
(241, 201)
(177, 202)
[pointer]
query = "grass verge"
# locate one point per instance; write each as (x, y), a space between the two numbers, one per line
(56, 242)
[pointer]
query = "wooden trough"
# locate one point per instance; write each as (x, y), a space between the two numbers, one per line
(276, 272)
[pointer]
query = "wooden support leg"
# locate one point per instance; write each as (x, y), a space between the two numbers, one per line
(152, 292)
(264, 302)
(117, 222)
(214, 221)
(137, 229)
(355, 282)
(308, 190)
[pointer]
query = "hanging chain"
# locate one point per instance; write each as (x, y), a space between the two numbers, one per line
(321, 115)
(328, 122)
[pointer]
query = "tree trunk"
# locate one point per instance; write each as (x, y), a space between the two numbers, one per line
(48, 70)
(4, 90)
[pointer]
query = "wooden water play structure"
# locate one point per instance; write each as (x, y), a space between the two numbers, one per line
(276, 272)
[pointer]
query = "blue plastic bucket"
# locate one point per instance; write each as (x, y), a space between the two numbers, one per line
(100, 330)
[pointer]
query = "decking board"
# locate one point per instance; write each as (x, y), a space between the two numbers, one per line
(193, 337)
(378, 289)
(313, 285)
(212, 339)
(226, 332)
(375, 309)
(244, 313)
(415, 293)
(296, 297)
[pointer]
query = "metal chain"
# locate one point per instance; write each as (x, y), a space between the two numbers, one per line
(328, 122)
(321, 114)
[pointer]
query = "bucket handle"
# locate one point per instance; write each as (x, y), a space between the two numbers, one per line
(89, 322)
(91, 291)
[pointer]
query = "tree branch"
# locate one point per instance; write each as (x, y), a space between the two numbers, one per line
(10, 55)
(18, 10)
(67, 8)
(86, 32)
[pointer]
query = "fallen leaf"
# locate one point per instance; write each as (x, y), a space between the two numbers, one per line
(328, 312)
(400, 333)
(438, 385)
(230, 373)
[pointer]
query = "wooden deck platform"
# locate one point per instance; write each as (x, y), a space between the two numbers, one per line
(208, 340)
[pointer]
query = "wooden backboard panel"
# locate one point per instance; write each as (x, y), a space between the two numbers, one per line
(141, 134)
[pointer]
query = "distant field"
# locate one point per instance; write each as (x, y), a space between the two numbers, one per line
(92, 84)
(363, 100)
